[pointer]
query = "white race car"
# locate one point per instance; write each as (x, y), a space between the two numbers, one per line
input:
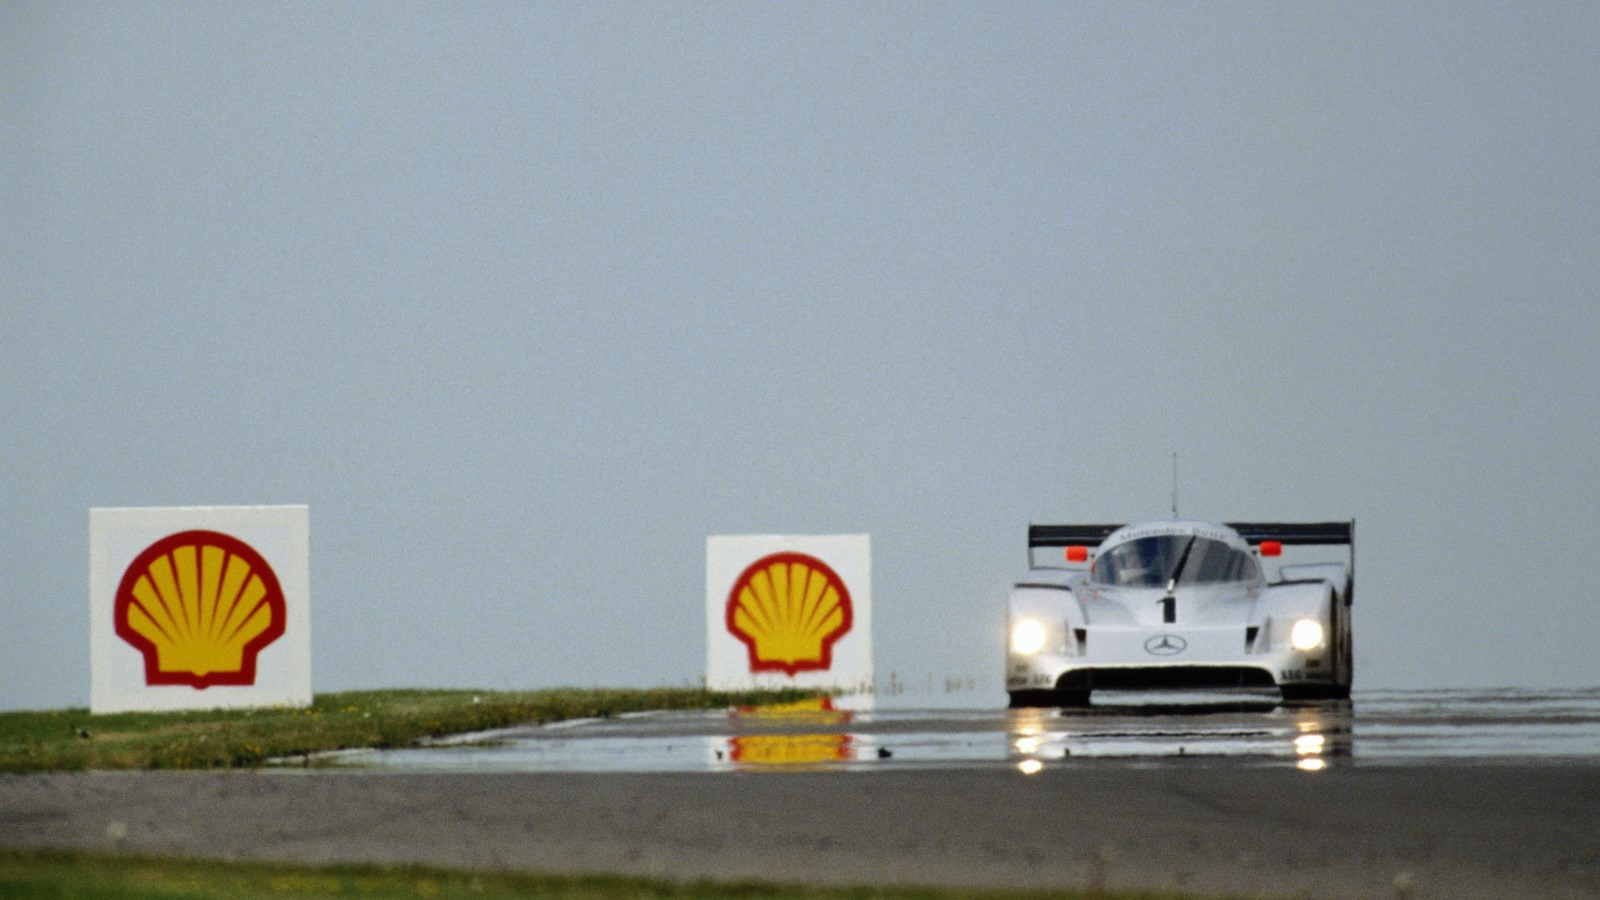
(1179, 604)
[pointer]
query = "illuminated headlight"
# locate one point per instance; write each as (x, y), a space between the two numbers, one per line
(1027, 637)
(1306, 635)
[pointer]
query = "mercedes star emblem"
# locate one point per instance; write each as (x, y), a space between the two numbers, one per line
(1165, 645)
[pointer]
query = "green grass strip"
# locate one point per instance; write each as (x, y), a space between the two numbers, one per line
(74, 740)
(90, 877)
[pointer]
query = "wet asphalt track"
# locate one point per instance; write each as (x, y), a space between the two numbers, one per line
(1415, 795)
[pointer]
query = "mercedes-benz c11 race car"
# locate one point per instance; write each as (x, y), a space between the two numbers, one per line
(1179, 604)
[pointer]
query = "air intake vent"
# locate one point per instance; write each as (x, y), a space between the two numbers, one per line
(1166, 677)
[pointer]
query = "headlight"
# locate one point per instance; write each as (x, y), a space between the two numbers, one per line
(1306, 635)
(1027, 637)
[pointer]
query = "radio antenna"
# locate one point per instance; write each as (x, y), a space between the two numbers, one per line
(1174, 484)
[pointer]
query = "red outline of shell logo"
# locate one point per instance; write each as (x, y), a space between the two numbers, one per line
(200, 606)
(789, 609)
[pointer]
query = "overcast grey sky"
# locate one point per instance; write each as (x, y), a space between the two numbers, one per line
(526, 300)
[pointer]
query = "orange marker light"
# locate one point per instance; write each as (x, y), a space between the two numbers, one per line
(1271, 548)
(1077, 554)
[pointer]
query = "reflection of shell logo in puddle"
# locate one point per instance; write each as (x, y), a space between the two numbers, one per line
(793, 749)
(789, 609)
(200, 606)
(790, 749)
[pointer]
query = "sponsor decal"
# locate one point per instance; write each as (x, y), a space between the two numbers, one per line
(1159, 529)
(1165, 645)
(789, 609)
(200, 606)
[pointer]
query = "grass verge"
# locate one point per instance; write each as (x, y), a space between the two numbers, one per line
(51, 874)
(73, 739)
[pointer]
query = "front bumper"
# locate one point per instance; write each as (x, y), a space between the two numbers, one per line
(1145, 658)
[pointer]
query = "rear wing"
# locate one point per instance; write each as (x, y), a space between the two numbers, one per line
(1067, 535)
(1307, 533)
(1255, 533)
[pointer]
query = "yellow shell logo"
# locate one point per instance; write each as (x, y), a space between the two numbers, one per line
(789, 609)
(200, 606)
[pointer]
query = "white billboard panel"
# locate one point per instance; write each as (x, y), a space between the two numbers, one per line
(199, 607)
(789, 611)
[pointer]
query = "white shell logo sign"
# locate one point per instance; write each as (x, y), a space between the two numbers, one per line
(199, 608)
(789, 611)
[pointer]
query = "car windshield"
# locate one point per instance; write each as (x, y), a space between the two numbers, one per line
(1151, 562)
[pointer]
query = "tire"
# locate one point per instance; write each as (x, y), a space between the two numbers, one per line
(1349, 669)
(1339, 615)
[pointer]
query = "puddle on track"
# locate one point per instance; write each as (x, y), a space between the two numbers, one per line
(1156, 729)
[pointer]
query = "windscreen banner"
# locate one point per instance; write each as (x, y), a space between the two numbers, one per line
(199, 608)
(789, 611)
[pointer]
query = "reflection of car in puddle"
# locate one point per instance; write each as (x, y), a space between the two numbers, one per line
(1309, 735)
(803, 736)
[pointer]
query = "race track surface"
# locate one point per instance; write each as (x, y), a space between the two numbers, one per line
(1401, 794)
(1461, 830)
